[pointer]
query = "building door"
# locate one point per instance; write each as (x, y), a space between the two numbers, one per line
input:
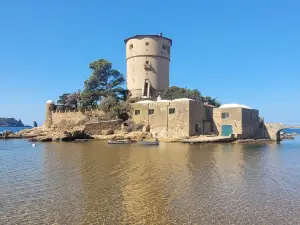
(226, 130)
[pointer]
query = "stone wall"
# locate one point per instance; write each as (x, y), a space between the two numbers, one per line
(97, 128)
(271, 131)
(207, 128)
(197, 117)
(75, 116)
(180, 123)
(209, 113)
(234, 119)
(250, 124)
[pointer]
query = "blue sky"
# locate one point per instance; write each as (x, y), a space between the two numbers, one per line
(245, 52)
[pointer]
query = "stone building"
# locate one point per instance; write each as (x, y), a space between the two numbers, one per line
(174, 119)
(147, 64)
(147, 72)
(240, 120)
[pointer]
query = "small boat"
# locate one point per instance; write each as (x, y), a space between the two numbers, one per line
(142, 142)
(118, 141)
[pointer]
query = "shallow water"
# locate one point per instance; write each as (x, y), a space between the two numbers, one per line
(91, 183)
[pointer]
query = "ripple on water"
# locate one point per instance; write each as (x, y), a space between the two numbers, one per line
(90, 183)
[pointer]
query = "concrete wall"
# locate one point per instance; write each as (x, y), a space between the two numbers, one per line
(179, 124)
(147, 48)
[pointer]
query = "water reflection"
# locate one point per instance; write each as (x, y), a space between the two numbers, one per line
(90, 183)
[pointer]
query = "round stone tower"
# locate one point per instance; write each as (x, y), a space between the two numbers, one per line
(49, 109)
(148, 63)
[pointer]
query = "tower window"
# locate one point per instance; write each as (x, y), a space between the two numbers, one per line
(137, 112)
(147, 62)
(164, 47)
(130, 46)
(147, 43)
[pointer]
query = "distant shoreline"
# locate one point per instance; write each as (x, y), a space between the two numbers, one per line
(17, 126)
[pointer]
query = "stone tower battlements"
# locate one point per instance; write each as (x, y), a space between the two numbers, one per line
(147, 63)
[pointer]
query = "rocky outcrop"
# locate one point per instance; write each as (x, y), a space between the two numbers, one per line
(67, 131)
(51, 134)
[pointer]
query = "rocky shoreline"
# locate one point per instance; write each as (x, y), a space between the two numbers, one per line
(40, 134)
(68, 133)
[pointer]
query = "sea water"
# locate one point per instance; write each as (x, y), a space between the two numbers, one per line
(173, 183)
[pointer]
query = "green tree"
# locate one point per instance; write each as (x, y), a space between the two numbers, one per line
(114, 108)
(69, 101)
(73, 100)
(62, 100)
(175, 92)
(104, 82)
(212, 101)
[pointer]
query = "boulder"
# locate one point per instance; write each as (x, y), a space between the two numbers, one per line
(146, 128)
(8, 132)
(79, 134)
(46, 139)
(32, 140)
(67, 138)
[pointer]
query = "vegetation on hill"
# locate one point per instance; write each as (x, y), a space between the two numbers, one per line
(10, 122)
(175, 92)
(104, 90)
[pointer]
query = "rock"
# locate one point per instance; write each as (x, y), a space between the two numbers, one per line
(67, 138)
(46, 139)
(107, 132)
(137, 127)
(79, 134)
(32, 140)
(146, 128)
(7, 132)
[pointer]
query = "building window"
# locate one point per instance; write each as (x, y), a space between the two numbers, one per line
(147, 43)
(151, 111)
(250, 115)
(171, 110)
(225, 115)
(137, 112)
(197, 128)
(147, 62)
(164, 47)
(130, 46)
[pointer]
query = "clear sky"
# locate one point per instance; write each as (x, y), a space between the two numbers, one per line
(245, 52)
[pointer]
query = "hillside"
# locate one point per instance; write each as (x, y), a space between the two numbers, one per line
(10, 122)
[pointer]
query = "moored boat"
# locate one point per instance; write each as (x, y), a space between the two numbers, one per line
(143, 142)
(119, 142)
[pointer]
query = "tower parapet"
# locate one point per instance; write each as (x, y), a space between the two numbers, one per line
(147, 63)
